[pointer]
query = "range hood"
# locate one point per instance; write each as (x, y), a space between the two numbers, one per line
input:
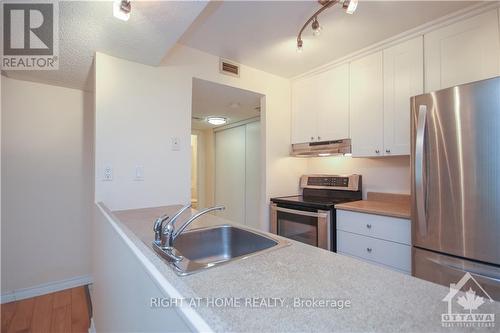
(323, 148)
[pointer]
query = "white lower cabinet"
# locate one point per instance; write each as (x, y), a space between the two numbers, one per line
(378, 239)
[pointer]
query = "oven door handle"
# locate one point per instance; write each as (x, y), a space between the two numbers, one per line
(300, 212)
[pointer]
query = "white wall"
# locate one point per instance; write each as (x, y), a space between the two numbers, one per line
(123, 288)
(139, 108)
(387, 174)
(46, 183)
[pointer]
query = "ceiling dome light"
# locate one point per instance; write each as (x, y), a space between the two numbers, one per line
(121, 9)
(316, 27)
(217, 120)
(350, 6)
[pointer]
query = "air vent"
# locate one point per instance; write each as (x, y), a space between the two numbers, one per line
(229, 68)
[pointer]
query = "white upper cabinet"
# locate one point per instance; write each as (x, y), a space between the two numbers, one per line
(367, 105)
(320, 106)
(304, 110)
(403, 78)
(333, 104)
(462, 52)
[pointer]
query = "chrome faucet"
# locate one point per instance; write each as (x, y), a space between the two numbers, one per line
(158, 225)
(165, 236)
(170, 234)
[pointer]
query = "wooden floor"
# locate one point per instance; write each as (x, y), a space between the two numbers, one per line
(64, 311)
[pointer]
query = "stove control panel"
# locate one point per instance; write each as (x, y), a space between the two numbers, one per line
(328, 181)
(331, 182)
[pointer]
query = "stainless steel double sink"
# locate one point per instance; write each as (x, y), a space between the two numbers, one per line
(204, 248)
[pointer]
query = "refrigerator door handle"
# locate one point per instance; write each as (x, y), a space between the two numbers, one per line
(477, 272)
(419, 170)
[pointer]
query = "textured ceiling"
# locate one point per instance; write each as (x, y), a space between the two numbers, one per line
(213, 99)
(262, 34)
(89, 26)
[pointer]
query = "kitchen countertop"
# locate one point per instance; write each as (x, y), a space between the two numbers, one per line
(388, 204)
(381, 300)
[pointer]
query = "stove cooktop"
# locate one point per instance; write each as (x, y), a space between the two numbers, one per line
(323, 192)
(317, 202)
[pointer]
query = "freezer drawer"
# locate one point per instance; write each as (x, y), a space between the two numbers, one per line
(443, 269)
(387, 253)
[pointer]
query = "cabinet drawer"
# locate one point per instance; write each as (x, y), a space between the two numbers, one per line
(384, 227)
(376, 250)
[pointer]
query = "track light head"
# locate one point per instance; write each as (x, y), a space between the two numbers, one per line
(316, 27)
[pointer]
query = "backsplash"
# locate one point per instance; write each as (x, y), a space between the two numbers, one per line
(388, 174)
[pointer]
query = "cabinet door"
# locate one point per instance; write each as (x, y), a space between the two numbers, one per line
(462, 52)
(367, 105)
(403, 78)
(304, 112)
(333, 104)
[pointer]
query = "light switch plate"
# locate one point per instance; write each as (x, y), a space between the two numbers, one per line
(139, 173)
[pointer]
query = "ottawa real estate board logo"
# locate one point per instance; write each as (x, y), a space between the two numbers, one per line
(30, 37)
(470, 302)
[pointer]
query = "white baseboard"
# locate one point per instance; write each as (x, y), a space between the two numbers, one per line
(92, 326)
(45, 288)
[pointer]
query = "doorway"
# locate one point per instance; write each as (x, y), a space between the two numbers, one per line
(226, 153)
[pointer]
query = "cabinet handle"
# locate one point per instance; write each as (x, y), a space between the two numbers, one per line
(377, 151)
(369, 249)
(319, 138)
(312, 138)
(388, 151)
(369, 226)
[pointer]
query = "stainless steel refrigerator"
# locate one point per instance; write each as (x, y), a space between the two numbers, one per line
(455, 159)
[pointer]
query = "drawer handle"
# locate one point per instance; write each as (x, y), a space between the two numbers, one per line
(369, 226)
(369, 249)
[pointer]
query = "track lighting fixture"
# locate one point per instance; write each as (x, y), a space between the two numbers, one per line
(316, 28)
(348, 5)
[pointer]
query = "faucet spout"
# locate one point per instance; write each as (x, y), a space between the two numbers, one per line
(194, 217)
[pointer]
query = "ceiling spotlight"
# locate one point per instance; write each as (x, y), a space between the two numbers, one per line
(217, 120)
(121, 9)
(316, 27)
(350, 6)
(299, 45)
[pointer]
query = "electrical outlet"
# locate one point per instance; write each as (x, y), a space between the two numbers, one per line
(176, 144)
(108, 173)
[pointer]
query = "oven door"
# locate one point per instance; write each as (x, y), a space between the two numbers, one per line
(309, 227)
